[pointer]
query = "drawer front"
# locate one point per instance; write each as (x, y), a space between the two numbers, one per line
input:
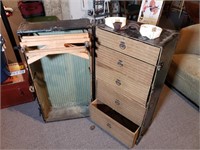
(120, 103)
(15, 94)
(133, 68)
(114, 128)
(136, 49)
(123, 84)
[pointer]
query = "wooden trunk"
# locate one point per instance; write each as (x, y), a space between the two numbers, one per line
(127, 73)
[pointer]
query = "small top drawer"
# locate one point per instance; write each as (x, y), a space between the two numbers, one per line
(136, 49)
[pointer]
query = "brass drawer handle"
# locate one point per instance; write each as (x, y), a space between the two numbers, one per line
(117, 102)
(118, 82)
(120, 63)
(109, 125)
(122, 45)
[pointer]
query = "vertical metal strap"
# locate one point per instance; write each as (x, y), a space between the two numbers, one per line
(93, 51)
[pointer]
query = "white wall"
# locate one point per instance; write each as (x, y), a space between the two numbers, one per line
(68, 9)
(65, 9)
(78, 8)
(53, 8)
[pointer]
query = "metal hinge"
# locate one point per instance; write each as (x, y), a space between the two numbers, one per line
(160, 66)
(22, 49)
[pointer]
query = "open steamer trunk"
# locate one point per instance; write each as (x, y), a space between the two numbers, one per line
(126, 75)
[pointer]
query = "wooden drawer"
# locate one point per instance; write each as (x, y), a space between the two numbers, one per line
(134, 48)
(123, 84)
(126, 106)
(16, 92)
(115, 124)
(133, 68)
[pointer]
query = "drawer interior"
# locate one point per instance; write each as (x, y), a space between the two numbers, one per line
(117, 117)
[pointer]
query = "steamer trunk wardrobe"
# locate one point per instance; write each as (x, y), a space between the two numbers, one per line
(115, 77)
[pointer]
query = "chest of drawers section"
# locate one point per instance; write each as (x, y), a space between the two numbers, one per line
(126, 76)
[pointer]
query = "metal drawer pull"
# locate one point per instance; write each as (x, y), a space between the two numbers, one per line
(109, 125)
(122, 45)
(117, 102)
(118, 82)
(21, 92)
(31, 89)
(120, 63)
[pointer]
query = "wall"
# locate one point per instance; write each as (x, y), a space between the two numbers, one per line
(59, 8)
(67, 9)
(77, 10)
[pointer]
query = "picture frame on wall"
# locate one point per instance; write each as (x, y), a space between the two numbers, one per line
(150, 11)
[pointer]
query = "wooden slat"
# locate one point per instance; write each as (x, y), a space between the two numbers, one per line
(117, 130)
(136, 49)
(131, 88)
(55, 37)
(37, 54)
(78, 49)
(82, 55)
(33, 59)
(50, 42)
(126, 106)
(130, 67)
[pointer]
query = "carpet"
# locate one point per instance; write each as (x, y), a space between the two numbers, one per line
(175, 126)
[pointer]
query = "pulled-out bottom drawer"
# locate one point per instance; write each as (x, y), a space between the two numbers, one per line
(114, 123)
